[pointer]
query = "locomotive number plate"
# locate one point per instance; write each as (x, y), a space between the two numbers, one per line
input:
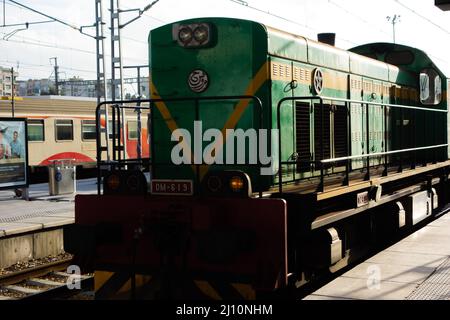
(362, 199)
(173, 187)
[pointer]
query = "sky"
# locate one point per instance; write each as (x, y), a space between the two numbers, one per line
(355, 22)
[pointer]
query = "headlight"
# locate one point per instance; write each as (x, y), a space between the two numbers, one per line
(185, 35)
(195, 35)
(201, 33)
(214, 183)
(236, 184)
(130, 182)
(228, 183)
(113, 182)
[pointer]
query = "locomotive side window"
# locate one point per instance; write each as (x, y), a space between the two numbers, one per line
(88, 131)
(430, 87)
(64, 130)
(35, 130)
(132, 130)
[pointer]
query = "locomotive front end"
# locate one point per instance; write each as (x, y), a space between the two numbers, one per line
(197, 227)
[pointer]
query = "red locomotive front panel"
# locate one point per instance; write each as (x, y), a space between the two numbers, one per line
(240, 240)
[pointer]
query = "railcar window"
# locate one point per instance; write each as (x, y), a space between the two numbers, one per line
(430, 87)
(132, 130)
(64, 130)
(110, 128)
(35, 130)
(88, 131)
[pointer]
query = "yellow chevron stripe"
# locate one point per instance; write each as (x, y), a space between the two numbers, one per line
(256, 83)
(100, 278)
(171, 124)
(141, 280)
(207, 289)
(163, 109)
(259, 79)
(245, 290)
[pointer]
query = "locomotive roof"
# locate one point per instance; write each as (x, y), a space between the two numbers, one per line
(380, 60)
(407, 57)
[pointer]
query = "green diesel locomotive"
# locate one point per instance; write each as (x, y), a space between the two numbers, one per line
(274, 158)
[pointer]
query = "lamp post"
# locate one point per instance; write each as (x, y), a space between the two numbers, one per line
(12, 92)
(393, 20)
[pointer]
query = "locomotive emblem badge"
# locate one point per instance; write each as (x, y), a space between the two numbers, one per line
(198, 81)
(318, 81)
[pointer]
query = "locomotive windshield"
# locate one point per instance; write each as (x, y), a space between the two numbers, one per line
(430, 87)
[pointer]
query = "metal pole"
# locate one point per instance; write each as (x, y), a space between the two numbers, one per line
(56, 75)
(139, 129)
(115, 19)
(12, 92)
(393, 28)
(102, 89)
(101, 75)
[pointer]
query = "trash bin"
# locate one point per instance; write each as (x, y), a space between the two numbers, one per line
(62, 177)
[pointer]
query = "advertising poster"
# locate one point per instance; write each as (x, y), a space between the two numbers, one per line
(13, 153)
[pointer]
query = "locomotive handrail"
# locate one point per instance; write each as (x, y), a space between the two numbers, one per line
(280, 171)
(379, 154)
(369, 155)
(119, 104)
(400, 106)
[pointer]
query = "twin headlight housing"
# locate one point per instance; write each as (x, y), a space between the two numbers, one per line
(124, 182)
(194, 35)
(227, 183)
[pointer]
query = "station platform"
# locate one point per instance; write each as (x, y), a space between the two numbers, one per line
(34, 229)
(416, 268)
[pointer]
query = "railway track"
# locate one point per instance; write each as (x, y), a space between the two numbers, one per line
(46, 281)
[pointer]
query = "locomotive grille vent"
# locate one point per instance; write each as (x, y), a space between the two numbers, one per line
(340, 132)
(303, 138)
(320, 140)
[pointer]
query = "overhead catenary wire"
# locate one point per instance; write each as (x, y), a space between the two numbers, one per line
(246, 5)
(79, 29)
(39, 43)
(357, 17)
(422, 16)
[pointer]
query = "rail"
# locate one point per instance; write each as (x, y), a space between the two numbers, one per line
(348, 158)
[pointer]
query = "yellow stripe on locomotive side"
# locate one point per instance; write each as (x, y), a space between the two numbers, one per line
(303, 76)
